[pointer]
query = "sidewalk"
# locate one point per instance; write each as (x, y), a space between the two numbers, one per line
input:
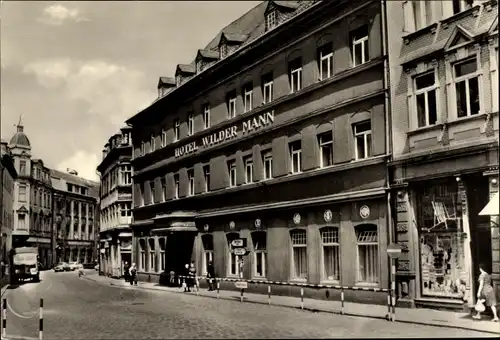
(407, 315)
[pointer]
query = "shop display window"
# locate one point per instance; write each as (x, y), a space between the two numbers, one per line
(442, 242)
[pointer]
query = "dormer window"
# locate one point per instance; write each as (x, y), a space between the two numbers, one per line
(271, 20)
(223, 50)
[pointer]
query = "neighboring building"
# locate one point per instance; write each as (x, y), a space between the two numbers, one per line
(40, 194)
(76, 226)
(32, 199)
(444, 97)
(276, 133)
(8, 175)
(116, 204)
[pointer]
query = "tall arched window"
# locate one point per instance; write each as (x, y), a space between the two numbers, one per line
(208, 251)
(233, 267)
(299, 254)
(259, 239)
(162, 242)
(330, 253)
(367, 249)
(152, 256)
(142, 252)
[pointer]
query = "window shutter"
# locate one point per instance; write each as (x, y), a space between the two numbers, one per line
(409, 18)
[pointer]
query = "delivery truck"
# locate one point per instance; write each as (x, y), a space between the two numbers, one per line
(25, 261)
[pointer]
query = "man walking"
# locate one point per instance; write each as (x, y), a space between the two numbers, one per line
(211, 276)
(126, 268)
(133, 275)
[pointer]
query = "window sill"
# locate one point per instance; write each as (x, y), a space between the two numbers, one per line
(362, 284)
(425, 129)
(330, 282)
(460, 120)
(298, 280)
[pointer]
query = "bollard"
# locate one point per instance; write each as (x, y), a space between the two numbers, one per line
(342, 301)
(218, 287)
(389, 316)
(301, 298)
(4, 318)
(393, 289)
(40, 331)
(269, 294)
(241, 296)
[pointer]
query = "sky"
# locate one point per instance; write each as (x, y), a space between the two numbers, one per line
(75, 71)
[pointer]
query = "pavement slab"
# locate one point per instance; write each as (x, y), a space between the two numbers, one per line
(76, 308)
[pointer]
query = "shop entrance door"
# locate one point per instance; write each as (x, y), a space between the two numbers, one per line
(179, 250)
(478, 197)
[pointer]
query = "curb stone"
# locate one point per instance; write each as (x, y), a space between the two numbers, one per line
(311, 310)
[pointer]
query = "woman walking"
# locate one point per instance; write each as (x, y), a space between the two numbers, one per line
(487, 293)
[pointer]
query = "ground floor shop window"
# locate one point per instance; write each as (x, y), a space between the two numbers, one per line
(367, 249)
(330, 254)
(259, 239)
(152, 255)
(299, 254)
(233, 260)
(142, 254)
(162, 244)
(208, 251)
(442, 243)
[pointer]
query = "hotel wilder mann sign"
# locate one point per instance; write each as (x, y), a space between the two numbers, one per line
(248, 126)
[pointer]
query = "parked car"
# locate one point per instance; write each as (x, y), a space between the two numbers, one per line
(61, 267)
(75, 265)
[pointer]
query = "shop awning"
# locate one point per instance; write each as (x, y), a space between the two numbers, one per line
(491, 209)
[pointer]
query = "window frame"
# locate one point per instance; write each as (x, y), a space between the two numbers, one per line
(206, 116)
(267, 88)
(23, 193)
(322, 145)
(209, 252)
(162, 252)
(259, 252)
(271, 20)
(328, 58)
(359, 279)
(231, 167)
(190, 122)
(363, 41)
(425, 91)
(293, 271)
(367, 144)
(206, 177)
(152, 265)
(237, 258)
(142, 254)
(336, 245)
(248, 163)
(248, 97)
(466, 78)
(177, 129)
(125, 209)
(176, 186)
(295, 74)
(298, 153)
(191, 182)
(267, 158)
(231, 104)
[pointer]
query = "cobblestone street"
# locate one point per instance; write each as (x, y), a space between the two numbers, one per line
(77, 308)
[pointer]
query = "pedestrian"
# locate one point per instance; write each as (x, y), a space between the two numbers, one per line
(172, 278)
(133, 275)
(192, 275)
(185, 279)
(211, 276)
(126, 268)
(486, 292)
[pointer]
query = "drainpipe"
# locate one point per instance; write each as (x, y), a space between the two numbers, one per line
(387, 116)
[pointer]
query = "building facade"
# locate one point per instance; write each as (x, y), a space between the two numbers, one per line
(8, 175)
(277, 133)
(444, 97)
(32, 202)
(116, 204)
(74, 213)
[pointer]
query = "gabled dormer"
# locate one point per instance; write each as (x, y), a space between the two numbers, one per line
(229, 42)
(165, 85)
(205, 59)
(458, 38)
(278, 11)
(183, 72)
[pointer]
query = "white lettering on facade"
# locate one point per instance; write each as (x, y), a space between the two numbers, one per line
(231, 132)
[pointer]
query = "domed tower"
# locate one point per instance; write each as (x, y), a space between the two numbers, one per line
(20, 148)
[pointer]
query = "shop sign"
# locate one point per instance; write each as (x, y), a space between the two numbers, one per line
(258, 223)
(328, 215)
(206, 227)
(239, 242)
(364, 211)
(241, 285)
(248, 126)
(240, 251)
(296, 218)
(232, 225)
